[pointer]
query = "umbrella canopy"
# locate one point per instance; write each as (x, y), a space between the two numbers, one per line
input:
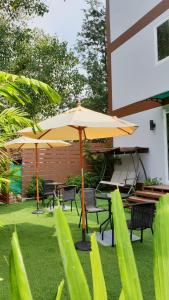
(79, 124)
(29, 143)
(95, 126)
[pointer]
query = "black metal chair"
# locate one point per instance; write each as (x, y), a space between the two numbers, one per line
(91, 205)
(68, 194)
(49, 193)
(141, 218)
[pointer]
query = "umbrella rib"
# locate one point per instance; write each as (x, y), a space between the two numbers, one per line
(124, 130)
(20, 146)
(44, 133)
(84, 133)
(49, 145)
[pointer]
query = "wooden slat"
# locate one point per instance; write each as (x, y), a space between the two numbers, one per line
(149, 194)
(162, 188)
(140, 200)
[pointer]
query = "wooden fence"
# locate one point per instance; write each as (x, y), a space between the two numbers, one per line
(55, 164)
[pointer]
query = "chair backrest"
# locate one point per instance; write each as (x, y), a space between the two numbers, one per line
(90, 197)
(142, 215)
(47, 188)
(69, 192)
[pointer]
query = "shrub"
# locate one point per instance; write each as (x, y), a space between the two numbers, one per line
(90, 180)
(152, 181)
(31, 189)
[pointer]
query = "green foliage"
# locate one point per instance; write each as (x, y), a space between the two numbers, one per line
(161, 249)
(31, 189)
(90, 180)
(127, 266)
(38, 55)
(153, 181)
(95, 160)
(99, 287)
(11, 91)
(91, 46)
(75, 276)
(18, 10)
(20, 289)
(60, 288)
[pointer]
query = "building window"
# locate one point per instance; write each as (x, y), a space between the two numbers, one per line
(163, 40)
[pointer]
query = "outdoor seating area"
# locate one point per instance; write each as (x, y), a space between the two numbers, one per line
(41, 251)
(84, 150)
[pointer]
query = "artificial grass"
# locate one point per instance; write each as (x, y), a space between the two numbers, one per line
(42, 259)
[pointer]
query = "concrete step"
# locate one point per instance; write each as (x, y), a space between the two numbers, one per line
(149, 194)
(140, 200)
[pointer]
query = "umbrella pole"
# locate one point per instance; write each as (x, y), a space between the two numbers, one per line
(38, 211)
(82, 245)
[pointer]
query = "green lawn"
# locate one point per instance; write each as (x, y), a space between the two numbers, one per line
(42, 258)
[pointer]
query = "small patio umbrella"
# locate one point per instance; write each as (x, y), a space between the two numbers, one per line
(29, 143)
(79, 124)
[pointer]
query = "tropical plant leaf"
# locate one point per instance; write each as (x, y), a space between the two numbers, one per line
(122, 296)
(13, 281)
(11, 91)
(99, 287)
(76, 279)
(19, 281)
(60, 289)
(161, 249)
(128, 271)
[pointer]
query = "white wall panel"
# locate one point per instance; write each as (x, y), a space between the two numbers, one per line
(136, 74)
(124, 13)
(156, 160)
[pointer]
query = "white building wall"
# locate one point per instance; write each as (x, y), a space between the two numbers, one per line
(124, 13)
(136, 74)
(156, 162)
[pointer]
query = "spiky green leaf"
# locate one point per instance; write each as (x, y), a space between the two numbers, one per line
(19, 280)
(60, 289)
(128, 271)
(161, 249)
(99, 287)
(76, 280)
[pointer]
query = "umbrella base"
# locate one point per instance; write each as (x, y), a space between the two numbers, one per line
(38, 212)
(83, 245)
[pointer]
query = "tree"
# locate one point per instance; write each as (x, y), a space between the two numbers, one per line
(19, 10)
(41, 56)
(91, 47)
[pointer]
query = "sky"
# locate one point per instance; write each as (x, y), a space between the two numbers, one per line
(64, 19)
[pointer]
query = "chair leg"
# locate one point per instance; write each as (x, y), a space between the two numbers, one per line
(76, 208)
(80, 219)
(53, 201)
(71, 205)
(141, 240)
(131, 232)
(152, 230)
(86, 222)
(97, 218)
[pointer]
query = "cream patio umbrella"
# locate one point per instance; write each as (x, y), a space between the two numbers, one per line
(80, 123)
(29, 143)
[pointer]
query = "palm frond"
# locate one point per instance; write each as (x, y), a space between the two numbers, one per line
(10, 88)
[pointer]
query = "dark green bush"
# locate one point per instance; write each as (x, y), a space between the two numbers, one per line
(90, 180)
(31, 189)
